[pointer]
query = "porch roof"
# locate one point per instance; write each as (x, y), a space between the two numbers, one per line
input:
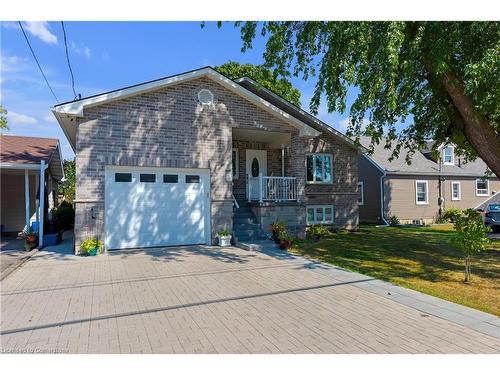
(28, 152)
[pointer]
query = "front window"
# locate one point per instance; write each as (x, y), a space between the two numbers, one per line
(319, 168)
(361, 193)
(321, 214)
(236, 163)
(455, 191)
(421, 192)
(448, 157)
(482, 187)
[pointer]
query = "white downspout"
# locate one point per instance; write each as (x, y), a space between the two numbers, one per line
(282, 160)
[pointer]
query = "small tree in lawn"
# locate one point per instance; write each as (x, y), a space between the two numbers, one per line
(470, 237)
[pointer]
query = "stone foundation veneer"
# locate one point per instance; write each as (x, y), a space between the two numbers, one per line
(293, 214)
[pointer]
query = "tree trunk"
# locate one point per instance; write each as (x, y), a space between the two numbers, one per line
(467, 270)
(477, 130)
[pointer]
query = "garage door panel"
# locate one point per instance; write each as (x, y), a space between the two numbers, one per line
(147, 214)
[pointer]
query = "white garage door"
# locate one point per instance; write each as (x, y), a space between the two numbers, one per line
(156, 207)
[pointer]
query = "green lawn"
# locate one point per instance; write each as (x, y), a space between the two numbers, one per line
(417, 258)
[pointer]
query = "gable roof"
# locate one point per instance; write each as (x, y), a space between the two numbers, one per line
(295, 111)
(495, 198)
(16, 150)
(421, 163)
(66, 113)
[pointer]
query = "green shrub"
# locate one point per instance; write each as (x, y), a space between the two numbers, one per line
(223, 233)
(452, 214)
(470, 237)
(278, 230)
(317, 231)
(394, 221)
(91, 244)
(65, 215)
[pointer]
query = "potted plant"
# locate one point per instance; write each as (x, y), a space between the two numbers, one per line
(29, 239)
(91, 246)
(278, 230)
(224, 237)
(286, 241)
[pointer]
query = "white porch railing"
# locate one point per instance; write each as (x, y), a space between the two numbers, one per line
(270, 188)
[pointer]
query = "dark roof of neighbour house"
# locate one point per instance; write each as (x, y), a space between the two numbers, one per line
(31, 150)
(421, 163)
(495, 198)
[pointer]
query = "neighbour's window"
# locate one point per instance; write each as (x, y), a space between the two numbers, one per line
(235, 167)
(448, 157)
(123, 177)
(361, 193)
(455, 191)
(422, 192)
(192, 179)
(147, 177)
(321, 214)
(319, 168)
(482, 187)
(170, 178)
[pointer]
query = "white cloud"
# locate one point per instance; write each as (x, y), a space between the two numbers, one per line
(80, 49)
(13, 64)
(15, 118)
(41, 31)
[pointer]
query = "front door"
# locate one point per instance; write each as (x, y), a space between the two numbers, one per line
(256, 163)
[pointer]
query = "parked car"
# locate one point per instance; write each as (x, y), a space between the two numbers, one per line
(492, 216)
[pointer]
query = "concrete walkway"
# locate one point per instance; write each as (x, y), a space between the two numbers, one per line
(203, 299)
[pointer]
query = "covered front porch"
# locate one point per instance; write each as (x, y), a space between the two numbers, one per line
(261, 164)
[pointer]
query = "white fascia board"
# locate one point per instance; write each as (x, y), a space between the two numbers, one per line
(76, 108)
(21, 166)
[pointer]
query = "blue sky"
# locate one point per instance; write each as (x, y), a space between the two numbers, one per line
(110, 55)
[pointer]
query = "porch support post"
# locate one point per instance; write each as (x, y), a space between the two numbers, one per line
(260, 188)
(249, 188)
(42, 203)
(282, 160)
(27, 199)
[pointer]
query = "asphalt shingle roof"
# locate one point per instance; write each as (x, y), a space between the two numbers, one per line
(420, 163)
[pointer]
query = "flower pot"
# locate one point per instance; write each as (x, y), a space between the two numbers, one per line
(93, 252)
(28, 245)
(224, 241)
(31, 238)
(285, 244)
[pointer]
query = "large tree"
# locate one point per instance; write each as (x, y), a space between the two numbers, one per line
(264, 77)
(67, 187)
(441, 79)
(3, 119)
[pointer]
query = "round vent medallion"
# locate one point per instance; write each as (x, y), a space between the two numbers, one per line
(206, 97)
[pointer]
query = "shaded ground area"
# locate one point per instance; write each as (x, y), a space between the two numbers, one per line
(420, 258)
(204, 299)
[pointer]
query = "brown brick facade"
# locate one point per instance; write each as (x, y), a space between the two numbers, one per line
(168, 128)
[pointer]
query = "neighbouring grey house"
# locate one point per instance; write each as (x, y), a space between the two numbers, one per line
(419, 192)
(30, 167)
(164, 162)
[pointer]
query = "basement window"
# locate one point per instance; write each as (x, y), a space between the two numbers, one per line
(123, 177)
(148, 177)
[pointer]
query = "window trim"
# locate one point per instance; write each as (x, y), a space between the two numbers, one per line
(426, 182)
(323, 207)
(452, 162)
(487, 194)
(323, 169)
(235, 174)
(459, 191)
(362, 191)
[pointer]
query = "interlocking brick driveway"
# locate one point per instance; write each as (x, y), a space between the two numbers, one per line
(204, 300)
